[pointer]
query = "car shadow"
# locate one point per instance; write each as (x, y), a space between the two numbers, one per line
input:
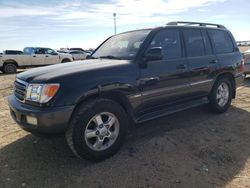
(193, 148)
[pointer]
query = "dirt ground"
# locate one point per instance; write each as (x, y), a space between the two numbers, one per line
(190, 149)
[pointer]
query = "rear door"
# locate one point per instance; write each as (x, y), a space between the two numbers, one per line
(201, 60)
(226, 50)
(165, 81)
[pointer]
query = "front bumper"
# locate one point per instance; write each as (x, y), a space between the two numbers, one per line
(49, 120)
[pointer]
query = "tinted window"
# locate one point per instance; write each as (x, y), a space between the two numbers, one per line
(207, 42)
(222, 41)
(40, 51)
(169, 41)
(12, 52)
(194, 42)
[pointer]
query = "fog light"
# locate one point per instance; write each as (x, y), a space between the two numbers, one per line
(31, 120)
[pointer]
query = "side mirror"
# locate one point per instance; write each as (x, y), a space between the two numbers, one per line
(153, 54)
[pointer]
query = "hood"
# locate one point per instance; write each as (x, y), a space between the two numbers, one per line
(45, 74)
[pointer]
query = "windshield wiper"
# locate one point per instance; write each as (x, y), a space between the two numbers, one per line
(109, 57)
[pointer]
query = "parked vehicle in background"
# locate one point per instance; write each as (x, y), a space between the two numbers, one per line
(131, 77)
(247, 61)
(31, 57)
(78, 55)
(78, 49)
(12, 52)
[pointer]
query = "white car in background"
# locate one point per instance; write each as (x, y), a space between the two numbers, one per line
(32, 57)
(78, 55)
(246, 55)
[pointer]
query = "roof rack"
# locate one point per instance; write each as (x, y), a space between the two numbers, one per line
(196, 24)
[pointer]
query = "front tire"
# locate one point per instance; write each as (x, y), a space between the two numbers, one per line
(97, 129)
(221, 96)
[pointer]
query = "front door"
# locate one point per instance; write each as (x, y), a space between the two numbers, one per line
(51, 57)
(165, 81)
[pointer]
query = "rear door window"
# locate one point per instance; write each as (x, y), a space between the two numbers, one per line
(194, 42)
(222, 41)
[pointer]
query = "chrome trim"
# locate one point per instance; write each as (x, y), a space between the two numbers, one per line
(168, 89)
(163, 90)
(26, 86)
(201, 82)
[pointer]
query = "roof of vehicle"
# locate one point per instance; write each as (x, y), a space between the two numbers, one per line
(185, 25)
(199, 24)
(38, 47)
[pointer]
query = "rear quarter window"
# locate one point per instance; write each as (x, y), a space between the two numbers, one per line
(222, 41)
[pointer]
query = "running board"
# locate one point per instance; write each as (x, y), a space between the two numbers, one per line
(171, 110)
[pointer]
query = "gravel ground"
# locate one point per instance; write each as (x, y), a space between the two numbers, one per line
(193, 148)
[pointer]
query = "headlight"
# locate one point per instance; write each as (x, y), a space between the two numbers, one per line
(41, 93)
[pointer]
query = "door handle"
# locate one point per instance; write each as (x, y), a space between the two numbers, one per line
(46, 56)
(181, 66)
(214, 61)
(149, 81)
(34, 56)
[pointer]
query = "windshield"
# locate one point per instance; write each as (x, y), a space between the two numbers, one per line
(122, 46)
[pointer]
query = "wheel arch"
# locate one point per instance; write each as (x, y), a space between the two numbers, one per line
(230, 76)
(10, 61)
(115, 95)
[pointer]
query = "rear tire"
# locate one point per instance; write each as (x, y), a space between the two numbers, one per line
(97, 129)
(221, 96)
(9, 68)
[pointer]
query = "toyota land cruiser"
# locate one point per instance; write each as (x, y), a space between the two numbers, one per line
(131, 77)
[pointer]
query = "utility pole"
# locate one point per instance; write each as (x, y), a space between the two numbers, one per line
(114, 14)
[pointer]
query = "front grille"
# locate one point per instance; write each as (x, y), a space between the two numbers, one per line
(20, 89)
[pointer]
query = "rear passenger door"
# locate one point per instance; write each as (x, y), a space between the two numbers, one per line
(39, 57)
(227, 54)
(201, 60)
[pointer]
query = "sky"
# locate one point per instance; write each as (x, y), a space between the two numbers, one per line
(87, 23)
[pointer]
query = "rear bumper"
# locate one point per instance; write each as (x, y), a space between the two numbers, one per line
(49, 120)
